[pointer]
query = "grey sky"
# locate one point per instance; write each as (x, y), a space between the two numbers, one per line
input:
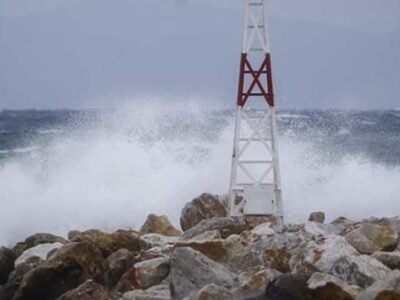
(74, 53)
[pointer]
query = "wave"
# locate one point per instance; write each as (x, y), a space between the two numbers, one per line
(154, 159)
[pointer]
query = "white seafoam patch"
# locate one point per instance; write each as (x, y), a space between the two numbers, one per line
(111, 179)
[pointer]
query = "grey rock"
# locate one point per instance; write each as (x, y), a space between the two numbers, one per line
(336, 256)
(359, 270)
(118, 263)
(144, 275)
(191, 270)
(203, 207)
(386, 289)
(151, 272)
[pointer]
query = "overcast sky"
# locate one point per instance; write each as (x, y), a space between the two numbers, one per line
(80, 53)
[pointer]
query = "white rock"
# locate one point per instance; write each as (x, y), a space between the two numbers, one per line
(207, 236)
(321, 229)
(323, 256)
(40, 250)
(158, 240)
(191, 270)
(263, 229)
(337, 257)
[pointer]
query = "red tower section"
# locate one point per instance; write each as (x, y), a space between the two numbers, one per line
(261, 83)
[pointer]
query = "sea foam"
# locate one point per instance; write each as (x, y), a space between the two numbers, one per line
(153, 159)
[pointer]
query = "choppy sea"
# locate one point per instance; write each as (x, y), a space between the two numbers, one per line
(75, 169)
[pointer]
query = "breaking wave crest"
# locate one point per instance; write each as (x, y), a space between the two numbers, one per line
(111, 172)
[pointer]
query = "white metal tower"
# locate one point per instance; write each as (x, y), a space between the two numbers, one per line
(255, 187)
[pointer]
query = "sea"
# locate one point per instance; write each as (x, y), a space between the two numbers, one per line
(64, 170)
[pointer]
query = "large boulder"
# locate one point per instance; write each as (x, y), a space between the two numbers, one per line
(70, 266)
(160, 225)
(359, 270)
(324, 253)
(109, 242)
(250, 252)
(191, 270)
(318, 217)
(41, 251)
(389, 259)
(368, 238)
(7, 259)
(203, 207)
(335, 256)
(386, 289)
(37, 239)
(118, 263)
(151, 272)
(144, 275)
(89, 290)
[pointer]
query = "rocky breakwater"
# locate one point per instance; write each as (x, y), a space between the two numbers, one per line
(213, 257)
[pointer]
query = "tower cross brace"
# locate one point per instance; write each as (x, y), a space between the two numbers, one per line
(255, 186)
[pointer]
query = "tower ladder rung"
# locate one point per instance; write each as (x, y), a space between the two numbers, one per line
(255, 139)
(255, 161)
(255, 3)
(257, 49)
(255, 26)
